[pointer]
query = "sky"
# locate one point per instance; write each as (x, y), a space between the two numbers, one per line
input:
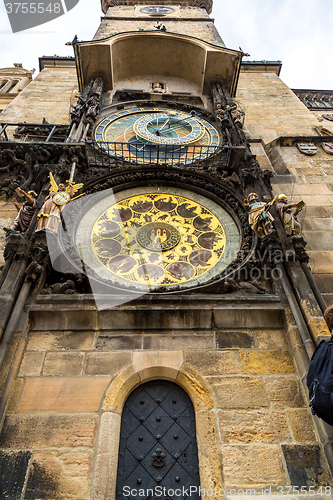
(298, 33)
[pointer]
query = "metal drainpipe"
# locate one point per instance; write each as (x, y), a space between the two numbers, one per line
(301, 325)
(314, 287)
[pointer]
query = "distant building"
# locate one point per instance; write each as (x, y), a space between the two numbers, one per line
(12, 81)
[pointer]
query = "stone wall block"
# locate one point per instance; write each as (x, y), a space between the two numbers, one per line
(271, 339)
(63, 394)
(117, 342)
(58, 341)
(31, 365)
(43, 320)
(107, 363)
(247, 317)
(234, 339)
(240, 392)
(60, 475)
(178, 342)
(305, 465)
(214, 362)
(252, 466)
(40, 431)
(284, 392)
(263, 362)
(63, 364)
(256, 426)
(158, 364)
(301, 423)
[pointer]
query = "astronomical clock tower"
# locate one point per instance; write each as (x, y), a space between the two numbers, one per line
(159, 313)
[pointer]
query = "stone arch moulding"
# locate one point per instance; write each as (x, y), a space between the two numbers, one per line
(146, 366)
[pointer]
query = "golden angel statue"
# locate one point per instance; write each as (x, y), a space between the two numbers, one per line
(49, 214)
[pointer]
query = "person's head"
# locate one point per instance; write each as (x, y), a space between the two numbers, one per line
(328, 315)
(282, 198)
(61, 187)
(33, 194)
(253, 196)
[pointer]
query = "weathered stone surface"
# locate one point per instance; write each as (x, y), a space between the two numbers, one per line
(247, 317)
(63, 394)
(252, 465)
(270, 339)
(152, 318)
(154, 364)
(59, 475)
(176, 342)
(284, 392)
(228, 339)
(56, 341)
(301, 423)
(120, 388)
(106, 363)
(195, 387)
(253, 426)
(107, 457)
(63, 364)
(126, 342)
(31, 365)
(15, 395)
(214, 362)
(305, 465)
(40, 431)
(209, 459)
(13, 469)
(264, 362)
(239, 392)
(64, 320)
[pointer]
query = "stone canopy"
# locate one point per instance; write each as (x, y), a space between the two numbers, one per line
(137, 54)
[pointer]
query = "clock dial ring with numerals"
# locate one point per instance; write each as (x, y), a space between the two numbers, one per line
(157, 10)
(169, 238)
(157, 134)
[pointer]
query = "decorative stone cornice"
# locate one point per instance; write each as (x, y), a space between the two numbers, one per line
(316, 99)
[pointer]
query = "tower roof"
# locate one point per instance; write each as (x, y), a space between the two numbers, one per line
(205, 4)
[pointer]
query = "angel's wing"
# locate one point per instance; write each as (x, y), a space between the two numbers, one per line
(75, 188)
(54, 185)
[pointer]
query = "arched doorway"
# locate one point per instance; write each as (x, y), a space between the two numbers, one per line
(158, 456)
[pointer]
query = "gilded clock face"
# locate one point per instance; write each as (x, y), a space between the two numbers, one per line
(154, 238)
(157, 135)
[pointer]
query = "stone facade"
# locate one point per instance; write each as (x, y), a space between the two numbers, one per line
(245, 387)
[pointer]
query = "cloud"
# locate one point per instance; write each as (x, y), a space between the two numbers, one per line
(300, 35)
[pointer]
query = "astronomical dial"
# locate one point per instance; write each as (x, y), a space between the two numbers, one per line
(157, 135)
(167, 238)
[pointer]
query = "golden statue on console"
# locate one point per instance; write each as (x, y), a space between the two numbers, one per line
(59, 196)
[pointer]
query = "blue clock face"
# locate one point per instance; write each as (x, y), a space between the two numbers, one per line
(157, 10)
(157, 135)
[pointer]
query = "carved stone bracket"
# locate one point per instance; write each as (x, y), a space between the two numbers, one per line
(27, 165)
(299, 245)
